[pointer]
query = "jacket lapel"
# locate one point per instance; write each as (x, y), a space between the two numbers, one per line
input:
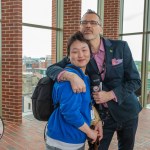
(108, 54)
(92, 67)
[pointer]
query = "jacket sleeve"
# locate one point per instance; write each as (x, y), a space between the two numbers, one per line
(53, 70)
(131, 81)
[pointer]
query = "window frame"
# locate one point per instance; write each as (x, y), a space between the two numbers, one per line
(58, 28)
(0, 63)
(145, 45)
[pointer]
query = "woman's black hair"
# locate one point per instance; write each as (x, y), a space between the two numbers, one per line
(77, 36)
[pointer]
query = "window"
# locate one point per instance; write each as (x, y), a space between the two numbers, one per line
(36, 21)
(36, 42)
(132, 31)
(135, 29)
(133, 18)
(37, 12)
(135, 44)
(86, 4)
(36, 36)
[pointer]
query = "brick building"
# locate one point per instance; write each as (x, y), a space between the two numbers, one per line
(11, 44)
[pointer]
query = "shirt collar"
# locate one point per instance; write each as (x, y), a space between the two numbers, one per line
(102, 46)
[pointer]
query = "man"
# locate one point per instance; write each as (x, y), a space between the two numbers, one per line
(112, 61)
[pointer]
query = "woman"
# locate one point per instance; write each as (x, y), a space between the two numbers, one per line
(68, 126)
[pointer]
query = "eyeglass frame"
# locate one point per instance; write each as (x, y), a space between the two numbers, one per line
(86, 22)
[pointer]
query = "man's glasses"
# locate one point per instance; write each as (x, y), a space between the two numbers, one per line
(92, 23)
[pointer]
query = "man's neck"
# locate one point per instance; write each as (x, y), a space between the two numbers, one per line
(95, 45)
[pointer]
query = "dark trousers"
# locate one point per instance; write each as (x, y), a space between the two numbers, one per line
(125, 132)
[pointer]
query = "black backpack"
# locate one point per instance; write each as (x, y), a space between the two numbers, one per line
(42, 103)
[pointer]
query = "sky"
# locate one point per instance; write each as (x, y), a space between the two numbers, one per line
(40, 14)
(37, 42)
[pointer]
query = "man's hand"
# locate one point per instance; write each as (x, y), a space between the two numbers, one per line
(99, 129)
(77, 83)
(102, 96)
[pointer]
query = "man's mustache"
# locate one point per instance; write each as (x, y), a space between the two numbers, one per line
(87, 30)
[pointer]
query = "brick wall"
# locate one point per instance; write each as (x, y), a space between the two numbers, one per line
(12, 46)
(53, 32)
(72, 15)
(111, 18)
(12, 60)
